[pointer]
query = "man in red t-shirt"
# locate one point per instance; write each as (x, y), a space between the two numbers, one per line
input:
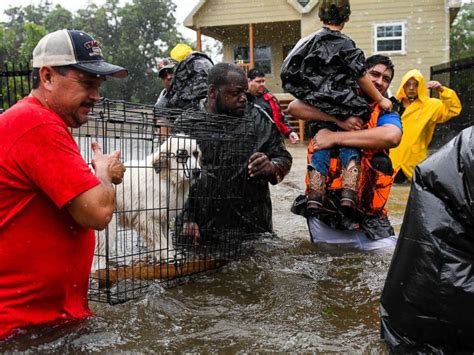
(50, 200)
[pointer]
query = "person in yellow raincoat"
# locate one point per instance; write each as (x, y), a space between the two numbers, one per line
(419, 120)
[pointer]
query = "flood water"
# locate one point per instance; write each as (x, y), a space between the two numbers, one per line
(283, 294)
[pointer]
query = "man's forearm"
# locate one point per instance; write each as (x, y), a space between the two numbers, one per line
(303, 111)
(384, 137)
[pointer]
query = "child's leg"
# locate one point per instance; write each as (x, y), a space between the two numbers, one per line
(350, 161)
(317, 173)
(320, 161)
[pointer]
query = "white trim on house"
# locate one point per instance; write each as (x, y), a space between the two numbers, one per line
(402, 37)
(303, 10)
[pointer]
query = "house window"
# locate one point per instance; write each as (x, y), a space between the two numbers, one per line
(262, 57)
(389, 37)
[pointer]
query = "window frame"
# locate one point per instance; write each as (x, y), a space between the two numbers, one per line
(236, 47)
(402, 38)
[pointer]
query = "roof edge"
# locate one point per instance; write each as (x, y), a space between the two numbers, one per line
(189, 20)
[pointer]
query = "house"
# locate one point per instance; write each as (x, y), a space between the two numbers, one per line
(260, 33)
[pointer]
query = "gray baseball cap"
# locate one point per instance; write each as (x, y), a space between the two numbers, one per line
(165, 64)
(76, 49)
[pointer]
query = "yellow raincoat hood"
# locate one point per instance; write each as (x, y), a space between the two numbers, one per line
(180, 51)
(422, 90)
(419, 122)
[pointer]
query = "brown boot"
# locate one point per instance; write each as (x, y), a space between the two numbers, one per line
(350, 178)
(317, 199)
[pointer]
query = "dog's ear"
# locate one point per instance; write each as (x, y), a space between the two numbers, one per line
(160, 161)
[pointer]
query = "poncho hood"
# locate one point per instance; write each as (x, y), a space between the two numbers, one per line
(422, 89)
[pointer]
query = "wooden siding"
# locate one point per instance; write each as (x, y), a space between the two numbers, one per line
(426, 31)
(236, 12)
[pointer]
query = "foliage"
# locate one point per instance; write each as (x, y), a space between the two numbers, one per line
(57, 19)
(462, 33)
(134, 35)
(33, 33)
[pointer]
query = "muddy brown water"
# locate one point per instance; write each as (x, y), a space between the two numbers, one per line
(283, 294)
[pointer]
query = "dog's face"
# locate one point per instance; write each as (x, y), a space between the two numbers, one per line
(181, 156)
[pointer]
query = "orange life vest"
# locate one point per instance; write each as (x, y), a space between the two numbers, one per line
(373, 187)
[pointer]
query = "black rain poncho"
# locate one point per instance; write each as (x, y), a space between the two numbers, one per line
(221, 199)
(322, 69)
(428, 300)
(189, 83)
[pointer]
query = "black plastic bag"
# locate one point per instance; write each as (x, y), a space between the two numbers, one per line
(321, 70)
(428, 300)
(189, 83)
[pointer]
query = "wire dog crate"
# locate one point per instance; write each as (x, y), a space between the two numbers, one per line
(186, 172)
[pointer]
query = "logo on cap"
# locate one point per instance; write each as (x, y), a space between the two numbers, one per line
(93, 48)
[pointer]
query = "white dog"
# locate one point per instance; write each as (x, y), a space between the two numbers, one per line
(153, 191)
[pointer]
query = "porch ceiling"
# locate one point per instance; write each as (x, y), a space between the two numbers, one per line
(261, 30)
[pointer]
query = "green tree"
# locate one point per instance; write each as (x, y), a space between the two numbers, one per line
(36, 13)
(13, 33)
(32, 34)
(134, 36)
(58, 18)
(7, 40)
(21, 31)
(462, 33)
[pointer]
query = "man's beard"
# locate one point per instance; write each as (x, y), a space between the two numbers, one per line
(224, 110)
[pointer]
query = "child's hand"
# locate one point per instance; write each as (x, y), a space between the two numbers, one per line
(294, 138)
(386, 104)
(351, 124)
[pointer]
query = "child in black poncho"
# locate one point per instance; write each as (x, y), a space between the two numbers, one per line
(325, 70)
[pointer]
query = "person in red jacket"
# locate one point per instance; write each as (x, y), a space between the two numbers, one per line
(261, 97)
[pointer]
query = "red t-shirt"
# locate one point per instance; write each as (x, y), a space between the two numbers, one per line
(45, 256)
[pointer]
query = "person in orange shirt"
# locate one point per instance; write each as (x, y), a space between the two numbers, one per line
(325, 70)
(384, 132)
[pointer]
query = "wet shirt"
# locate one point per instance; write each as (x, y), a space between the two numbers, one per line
(322, 70)
(228, 198)
(260, 101)
(390, 118)
(45, 256)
